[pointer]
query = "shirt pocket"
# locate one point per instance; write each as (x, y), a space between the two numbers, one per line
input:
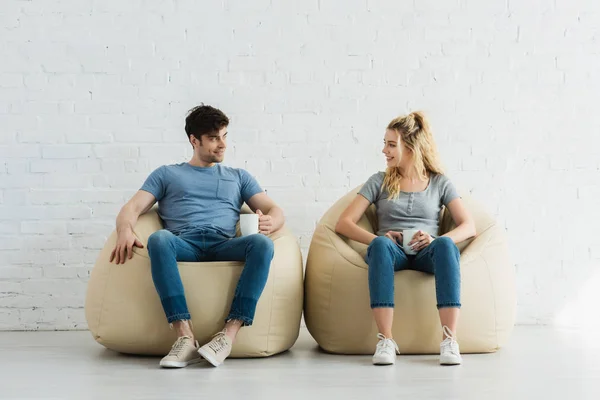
(227, 189)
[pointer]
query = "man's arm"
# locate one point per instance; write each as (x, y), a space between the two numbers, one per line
(140, 203)
(271, 216)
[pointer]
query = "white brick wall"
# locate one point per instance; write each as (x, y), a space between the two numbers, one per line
(93, 97)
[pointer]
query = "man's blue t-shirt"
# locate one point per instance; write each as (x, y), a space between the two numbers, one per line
(192, 197)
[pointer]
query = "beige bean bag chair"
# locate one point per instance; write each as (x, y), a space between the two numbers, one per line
(124, 313)
(337, 308)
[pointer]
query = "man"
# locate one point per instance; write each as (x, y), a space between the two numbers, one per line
(199, 202)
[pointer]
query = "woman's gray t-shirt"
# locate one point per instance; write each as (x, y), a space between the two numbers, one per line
(410, 210)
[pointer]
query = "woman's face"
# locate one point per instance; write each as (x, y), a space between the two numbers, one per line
(396, 154)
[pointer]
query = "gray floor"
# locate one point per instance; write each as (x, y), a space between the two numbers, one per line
(539, 363)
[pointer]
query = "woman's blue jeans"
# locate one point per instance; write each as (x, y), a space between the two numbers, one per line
(441, 258)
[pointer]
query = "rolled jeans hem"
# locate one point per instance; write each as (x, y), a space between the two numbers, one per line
(245, 320)
(449, 305)
(382, 305)
(175, 308)
(179, 317)
(243, 309)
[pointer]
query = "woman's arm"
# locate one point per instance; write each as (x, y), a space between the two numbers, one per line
(346, 225)
(465, 226)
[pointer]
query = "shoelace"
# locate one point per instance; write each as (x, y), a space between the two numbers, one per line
(178, 346)
(219, 342)
(449, 344)
(383, 341)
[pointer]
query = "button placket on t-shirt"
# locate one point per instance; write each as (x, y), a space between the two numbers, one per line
(411, 200)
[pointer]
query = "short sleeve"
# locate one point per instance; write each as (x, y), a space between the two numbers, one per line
(155, 183)
(371, 190)
(447, 191)
(249, 185)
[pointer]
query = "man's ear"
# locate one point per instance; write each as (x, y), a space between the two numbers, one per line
(195, 142)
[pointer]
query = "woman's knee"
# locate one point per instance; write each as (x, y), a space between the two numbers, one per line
(380, 246)
(380, 243)
(445, 244)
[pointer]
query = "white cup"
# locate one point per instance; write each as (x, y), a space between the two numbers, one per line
(248, 224)
(407, 236)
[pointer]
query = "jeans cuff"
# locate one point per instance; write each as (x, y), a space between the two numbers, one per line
(245, 320)
(448, 305)
(382, 305)
(242, 309)
(175, 308)
(179, 317)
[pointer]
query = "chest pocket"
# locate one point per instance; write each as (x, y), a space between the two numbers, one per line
(227, 189)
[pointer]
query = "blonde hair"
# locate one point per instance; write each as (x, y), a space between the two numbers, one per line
(416, 135)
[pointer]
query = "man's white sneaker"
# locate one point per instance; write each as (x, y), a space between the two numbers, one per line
(182, 354)
(449, 350)
(218, 349)
(385, 353)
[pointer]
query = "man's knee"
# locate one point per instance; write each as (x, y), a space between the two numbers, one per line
(160, 239)
(261, 242)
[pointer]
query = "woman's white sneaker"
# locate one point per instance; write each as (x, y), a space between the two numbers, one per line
(449, 350)
(385, 353)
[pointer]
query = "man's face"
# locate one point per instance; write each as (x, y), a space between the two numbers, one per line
(211, 149)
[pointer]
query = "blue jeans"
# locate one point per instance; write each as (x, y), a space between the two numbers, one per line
(166, 248)
(440, 258)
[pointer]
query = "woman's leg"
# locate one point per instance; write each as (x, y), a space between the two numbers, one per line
(442, 259)
(384, 257)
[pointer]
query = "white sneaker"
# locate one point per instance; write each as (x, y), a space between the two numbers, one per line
(182, 354)
(218, 349)
(449, 350)
(386, 351)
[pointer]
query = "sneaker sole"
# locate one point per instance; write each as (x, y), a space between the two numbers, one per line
(384, 362)
(179, 364)
(450, 361)
(208, 358)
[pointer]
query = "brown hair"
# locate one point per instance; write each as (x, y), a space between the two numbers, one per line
(203, 119)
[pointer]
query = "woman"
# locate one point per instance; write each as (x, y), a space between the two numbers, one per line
(409, 195)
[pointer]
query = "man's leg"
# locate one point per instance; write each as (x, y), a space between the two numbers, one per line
(165, 249)
(257, 252)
